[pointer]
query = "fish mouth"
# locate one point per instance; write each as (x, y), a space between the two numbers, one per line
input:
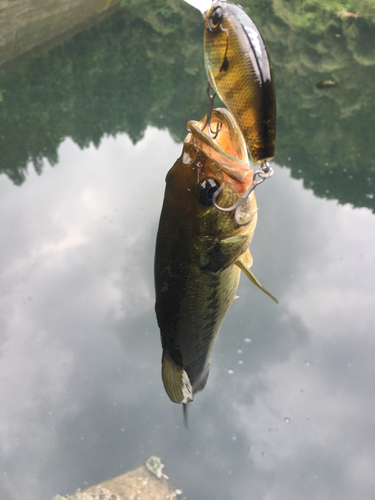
(227, 147)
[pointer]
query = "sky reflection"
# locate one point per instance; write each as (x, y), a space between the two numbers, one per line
(288, 408)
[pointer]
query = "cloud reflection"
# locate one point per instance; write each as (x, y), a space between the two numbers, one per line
(77, 262)
(81, 393)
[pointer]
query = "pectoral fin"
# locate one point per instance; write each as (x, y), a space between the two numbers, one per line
(247, 259)
(214, 254)
(242, 263)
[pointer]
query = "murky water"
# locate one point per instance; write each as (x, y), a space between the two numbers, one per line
(288, 409)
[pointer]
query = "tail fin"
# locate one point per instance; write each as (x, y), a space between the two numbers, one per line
(176, 380)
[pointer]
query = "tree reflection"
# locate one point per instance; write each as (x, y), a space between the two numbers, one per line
(144, 66)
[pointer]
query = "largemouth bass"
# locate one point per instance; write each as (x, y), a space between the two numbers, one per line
(240, 71)
(200, 250)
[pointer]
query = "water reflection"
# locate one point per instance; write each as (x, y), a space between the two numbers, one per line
(125, 73)
(82, 350)
(81, 393)
(28, 29)
(77, 237)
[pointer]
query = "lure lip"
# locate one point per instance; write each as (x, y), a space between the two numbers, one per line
(236, 167)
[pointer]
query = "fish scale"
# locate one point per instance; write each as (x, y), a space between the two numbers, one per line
(201, 251)
(196, 250)
(209, 212)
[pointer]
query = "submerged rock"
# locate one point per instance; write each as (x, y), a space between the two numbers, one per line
(146, 482)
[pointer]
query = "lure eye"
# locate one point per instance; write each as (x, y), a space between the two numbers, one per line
(216, 19)
(206, 191)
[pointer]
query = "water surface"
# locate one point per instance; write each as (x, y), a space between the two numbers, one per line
(288, 409)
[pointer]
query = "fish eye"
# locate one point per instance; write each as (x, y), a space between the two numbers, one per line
(206, 191)
(216, 18)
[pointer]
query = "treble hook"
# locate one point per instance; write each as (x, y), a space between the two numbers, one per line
(264, 172)
(219, 125)
(211, 98)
